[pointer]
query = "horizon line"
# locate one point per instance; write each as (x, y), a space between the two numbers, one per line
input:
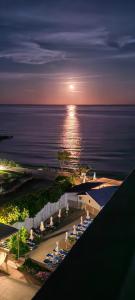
(66, 104)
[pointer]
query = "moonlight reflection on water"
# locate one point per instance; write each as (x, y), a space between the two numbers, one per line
(71, 140)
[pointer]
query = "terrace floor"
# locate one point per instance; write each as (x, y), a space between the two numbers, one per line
(11, 289)
(47, 246)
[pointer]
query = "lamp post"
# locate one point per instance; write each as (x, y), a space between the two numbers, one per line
(18, 254)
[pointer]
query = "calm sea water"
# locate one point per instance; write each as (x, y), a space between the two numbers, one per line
(100, 136)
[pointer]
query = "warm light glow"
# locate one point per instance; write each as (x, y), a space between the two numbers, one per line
(71, 87)
(71, 110)
(71, 134)
(2, 167)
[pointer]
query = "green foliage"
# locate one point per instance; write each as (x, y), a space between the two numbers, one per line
(29, 205)
(63, 157)
(84, 169)
(72, 179)
(31, 267)
(12, 213)
(60, 178)
(19, 239)
(8, 163)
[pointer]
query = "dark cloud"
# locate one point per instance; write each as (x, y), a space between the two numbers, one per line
(67, 37)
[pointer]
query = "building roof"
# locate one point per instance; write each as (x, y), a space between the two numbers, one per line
(98, 266)
(6, 231)
(102, 195)
(83, 187)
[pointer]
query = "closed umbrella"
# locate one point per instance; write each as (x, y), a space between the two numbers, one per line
(57, 248)
(87, 215)
(66, 237)
(67, 209)
(74, 230)
(31, 235)
(59, 214)
(51, 221)
(42, 227)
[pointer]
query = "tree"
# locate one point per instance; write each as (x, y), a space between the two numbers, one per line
(63, 157)
(19, 240)
(83, 171)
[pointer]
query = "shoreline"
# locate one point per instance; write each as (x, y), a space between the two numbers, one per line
(100, 173)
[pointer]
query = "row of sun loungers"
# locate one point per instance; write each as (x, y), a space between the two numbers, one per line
(52, 260)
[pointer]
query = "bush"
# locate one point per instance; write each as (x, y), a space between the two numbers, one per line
(12, 213)
(30, 205)
(19, 239)
(8, 163)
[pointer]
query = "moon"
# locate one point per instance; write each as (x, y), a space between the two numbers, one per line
(71, 87)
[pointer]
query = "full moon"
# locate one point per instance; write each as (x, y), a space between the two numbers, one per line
(71, 87)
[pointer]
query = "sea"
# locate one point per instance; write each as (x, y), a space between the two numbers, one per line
(102, 137)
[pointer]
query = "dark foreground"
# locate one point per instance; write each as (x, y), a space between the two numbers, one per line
(102, 263)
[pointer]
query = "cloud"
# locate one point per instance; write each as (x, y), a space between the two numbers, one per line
(50, 76)
(31, 53)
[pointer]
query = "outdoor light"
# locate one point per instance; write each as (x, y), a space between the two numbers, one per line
(2, 167)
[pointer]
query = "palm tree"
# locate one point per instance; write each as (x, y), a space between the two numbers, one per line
(63, 157)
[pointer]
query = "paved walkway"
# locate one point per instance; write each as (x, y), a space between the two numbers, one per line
(11, 289)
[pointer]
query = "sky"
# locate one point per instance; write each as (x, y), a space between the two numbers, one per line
(67, 52)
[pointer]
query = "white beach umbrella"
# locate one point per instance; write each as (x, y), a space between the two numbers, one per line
(87, 215)
(81, 222)
(66, 236)
(67, 208)
(42, 227)
(94, 176)
(74, 230)
(59, 214)
(51, 221)
(31, 235)
(57, 248)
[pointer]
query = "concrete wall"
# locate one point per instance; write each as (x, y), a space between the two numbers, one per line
(90, 204)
